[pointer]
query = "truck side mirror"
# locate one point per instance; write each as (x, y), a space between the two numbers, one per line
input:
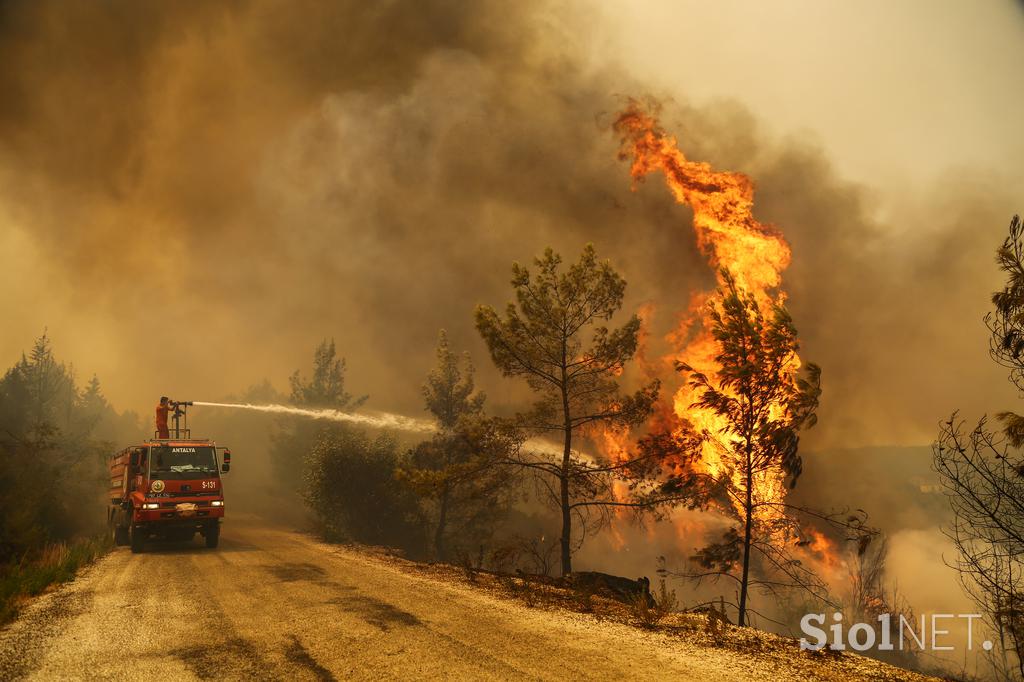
(226, 466)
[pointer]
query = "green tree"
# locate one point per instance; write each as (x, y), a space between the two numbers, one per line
(449, 392)
(1006, 324)
(543, 337)
(52, 464)
(51, 393)
(763, 403)
(93, 400)
(463, 469)
(350, 486)
(94, 407)
(325, 388)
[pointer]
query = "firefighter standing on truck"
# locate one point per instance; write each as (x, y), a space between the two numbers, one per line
(161, 417)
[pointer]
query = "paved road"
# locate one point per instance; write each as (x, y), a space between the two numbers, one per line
(273, 604)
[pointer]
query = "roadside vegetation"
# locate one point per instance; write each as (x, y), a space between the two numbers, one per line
(485, 491)
(488, 498)
(485, 497)
(982, 471)
(54, 440)
(554, 337)
(54, 564)
(599, 598)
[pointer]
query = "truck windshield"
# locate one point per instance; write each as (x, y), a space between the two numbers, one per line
(182, 461)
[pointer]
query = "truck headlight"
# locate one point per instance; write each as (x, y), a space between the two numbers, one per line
(217, 503)
(151, 505)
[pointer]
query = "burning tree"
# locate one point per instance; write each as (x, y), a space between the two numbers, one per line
(733, 426)
(463, 469)
(982, 471)
(543, 338)
(761, 404)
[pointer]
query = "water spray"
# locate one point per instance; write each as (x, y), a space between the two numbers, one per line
(381, 420)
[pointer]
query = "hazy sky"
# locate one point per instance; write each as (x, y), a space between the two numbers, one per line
(894, 91)
(192, 195)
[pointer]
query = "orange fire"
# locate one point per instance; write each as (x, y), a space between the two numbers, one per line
(727, 232)
(822, 547)
(731, 238)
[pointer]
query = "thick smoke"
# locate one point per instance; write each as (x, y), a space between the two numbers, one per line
(192, 195)
(187, 183)
(238, 183)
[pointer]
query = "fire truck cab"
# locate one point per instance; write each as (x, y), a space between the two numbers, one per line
(167, 488)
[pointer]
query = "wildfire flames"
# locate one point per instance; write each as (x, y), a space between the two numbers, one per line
(731, 238)
(727, 232)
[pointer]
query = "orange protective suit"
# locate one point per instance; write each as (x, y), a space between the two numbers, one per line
(161, 421)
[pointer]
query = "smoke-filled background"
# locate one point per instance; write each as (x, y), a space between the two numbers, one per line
(193, 194)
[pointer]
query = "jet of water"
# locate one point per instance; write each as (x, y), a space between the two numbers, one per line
(381, 420)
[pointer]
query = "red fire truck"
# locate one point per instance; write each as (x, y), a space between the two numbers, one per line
(168, 488)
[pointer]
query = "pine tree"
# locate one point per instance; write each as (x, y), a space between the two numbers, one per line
(554, 337)
(325, 388)
(463, 469)
(763, 403)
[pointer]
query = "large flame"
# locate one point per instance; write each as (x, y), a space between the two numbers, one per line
(731, 238)
(727, 232)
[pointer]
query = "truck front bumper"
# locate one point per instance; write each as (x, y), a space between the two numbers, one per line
(179, 512)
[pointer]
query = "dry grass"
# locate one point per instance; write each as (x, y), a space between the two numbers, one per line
(649, 611)
(703, 629)
(54, 564)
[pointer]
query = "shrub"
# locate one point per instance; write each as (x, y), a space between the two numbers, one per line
(350, 485)
(649, 612)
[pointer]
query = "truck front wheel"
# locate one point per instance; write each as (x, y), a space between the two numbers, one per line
(119, 533)
(136, 538)
(212, 535)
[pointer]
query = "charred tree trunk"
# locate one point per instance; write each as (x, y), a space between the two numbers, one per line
(748, 513)
(566, 540)
(442, 521)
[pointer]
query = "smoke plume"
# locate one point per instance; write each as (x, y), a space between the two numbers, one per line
(192, 195)
(186, 183)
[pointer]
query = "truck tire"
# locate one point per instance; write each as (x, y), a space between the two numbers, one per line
(119, 533)
(135, 538)
(212, 535)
